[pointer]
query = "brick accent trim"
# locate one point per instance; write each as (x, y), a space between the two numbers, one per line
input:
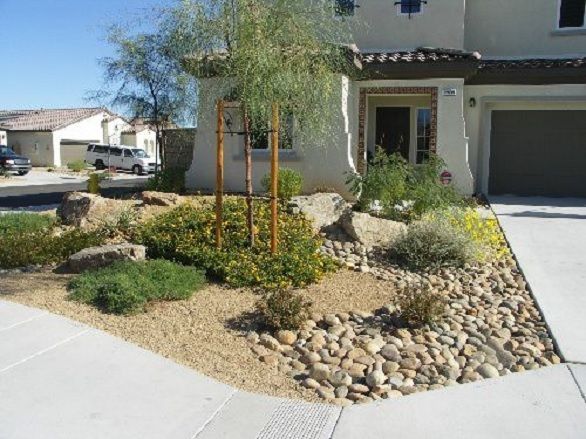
(362, 109)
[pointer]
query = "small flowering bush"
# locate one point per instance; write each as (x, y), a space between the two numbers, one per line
(187, 235)
(290, 183)
(284, 309)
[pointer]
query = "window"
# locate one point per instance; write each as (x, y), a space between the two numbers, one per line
(410, 7)
(127, 153)
(116, 152)
(423, 134)
(261, 137)
(344, 8)
(572, 13)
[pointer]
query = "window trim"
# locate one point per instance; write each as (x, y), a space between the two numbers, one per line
(410, 14)
(561, 30)
(417, 136)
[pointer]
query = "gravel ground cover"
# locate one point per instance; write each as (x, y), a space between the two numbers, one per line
(207, 332)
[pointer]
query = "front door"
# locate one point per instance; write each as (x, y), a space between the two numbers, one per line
(393, 130)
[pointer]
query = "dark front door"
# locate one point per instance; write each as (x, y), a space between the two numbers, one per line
(393, 129)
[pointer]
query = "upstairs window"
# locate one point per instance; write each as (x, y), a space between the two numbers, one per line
(410, 7)
(344, 8)
(572, 13)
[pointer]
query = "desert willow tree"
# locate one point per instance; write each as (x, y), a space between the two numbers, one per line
(269, 54)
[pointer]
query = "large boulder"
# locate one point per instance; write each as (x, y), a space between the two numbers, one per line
(323, 209)
(150, 198)
(372, 231)
(89, 211)
(97, 257)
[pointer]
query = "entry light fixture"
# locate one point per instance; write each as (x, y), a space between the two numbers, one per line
(472, 102)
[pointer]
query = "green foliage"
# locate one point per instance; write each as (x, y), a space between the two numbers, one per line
(290, 183)
(187, 235)
(21, 223)
(280, 52)
(127, 287)
(420, 304)
(4, 173)
(405, 191)
(93, 183)
(170, 180)
(434, 243)
(121, 225)
(284, 309)
(43, 247)
(76, 166)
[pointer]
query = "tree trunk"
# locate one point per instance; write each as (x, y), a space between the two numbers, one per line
(220, 174)
(275, 179)
(248, 178)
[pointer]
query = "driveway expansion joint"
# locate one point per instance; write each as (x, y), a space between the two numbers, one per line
(15, 325)
(577, 383)
(215, 414)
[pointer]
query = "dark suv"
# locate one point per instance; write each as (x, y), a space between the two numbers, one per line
(12, 162)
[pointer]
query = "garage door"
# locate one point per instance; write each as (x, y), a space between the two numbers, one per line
(74, 150)
(538, 153)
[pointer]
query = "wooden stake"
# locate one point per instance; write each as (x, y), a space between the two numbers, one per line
(274, 178)
(220, 174)
(248, 178)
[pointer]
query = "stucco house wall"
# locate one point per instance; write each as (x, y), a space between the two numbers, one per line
(113, 131)
(87, 129)
(519, 28)
(3, 138)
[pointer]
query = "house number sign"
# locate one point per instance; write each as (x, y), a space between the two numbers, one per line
(450, 92)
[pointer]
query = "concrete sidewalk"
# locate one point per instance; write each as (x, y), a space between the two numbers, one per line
(548, 237)
(61, 379)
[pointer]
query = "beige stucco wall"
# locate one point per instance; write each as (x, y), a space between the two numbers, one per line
(320, 166)
(519, 28)
(510, 97)
(114, 129)
(37, 146)
(377, 25)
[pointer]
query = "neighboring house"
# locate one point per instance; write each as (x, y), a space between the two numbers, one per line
(496, 88)
(56, 137)
(3, 137)
(144, 137)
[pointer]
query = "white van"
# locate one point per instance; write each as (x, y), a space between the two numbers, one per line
(128, 158)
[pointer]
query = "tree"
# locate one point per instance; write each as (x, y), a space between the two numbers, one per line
(268, 52)
(145, 77)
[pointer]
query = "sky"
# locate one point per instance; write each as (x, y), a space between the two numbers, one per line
(50, 48)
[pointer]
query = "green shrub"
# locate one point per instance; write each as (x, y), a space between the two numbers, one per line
(93, 183)
(186, 234)
(44, 248)
(284, 309)
(171, 180)
(120, 225)
(420, 304)
(127, 287)
(429, 244)
(290, 183)
(25, 223)
(76, 166)
(404, 191)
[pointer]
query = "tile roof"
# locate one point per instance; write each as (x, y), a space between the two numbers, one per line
(533, 63)
(420, 55)
(44, 120)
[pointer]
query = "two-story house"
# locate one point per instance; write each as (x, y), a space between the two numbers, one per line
(497, 88)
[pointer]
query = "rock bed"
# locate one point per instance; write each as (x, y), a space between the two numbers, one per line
(491, 328)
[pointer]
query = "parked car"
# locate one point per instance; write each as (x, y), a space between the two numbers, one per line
(120, 157)
(12, 162)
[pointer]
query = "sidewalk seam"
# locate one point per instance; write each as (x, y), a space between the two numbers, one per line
(336, 423)
(577, 384)
(15, 325)
(216, 413)
(44, 351)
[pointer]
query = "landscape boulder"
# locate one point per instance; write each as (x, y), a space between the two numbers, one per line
(90, 211)
(323, 209)
(150, 198)
(372, 231)
(97, 257)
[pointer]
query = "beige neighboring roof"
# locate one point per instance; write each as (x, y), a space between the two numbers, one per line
(134, 130)
(45, 120)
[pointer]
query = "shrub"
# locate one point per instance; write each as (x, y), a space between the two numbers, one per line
(186, 234)
(403, 191)
(127, 287)
(171, 180)
(121, 225)
(24, 223)
(93, 183)
(76, 166)
(290, 183)
(484, 232)
(44, 248)
(284, 309)
(420, 304)
(434, 243)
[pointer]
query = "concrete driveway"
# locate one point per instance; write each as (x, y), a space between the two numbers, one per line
(548, 236)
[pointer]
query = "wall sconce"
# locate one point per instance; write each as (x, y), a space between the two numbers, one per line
(472, 102)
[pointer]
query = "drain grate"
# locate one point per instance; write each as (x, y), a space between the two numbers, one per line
(294, 420)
